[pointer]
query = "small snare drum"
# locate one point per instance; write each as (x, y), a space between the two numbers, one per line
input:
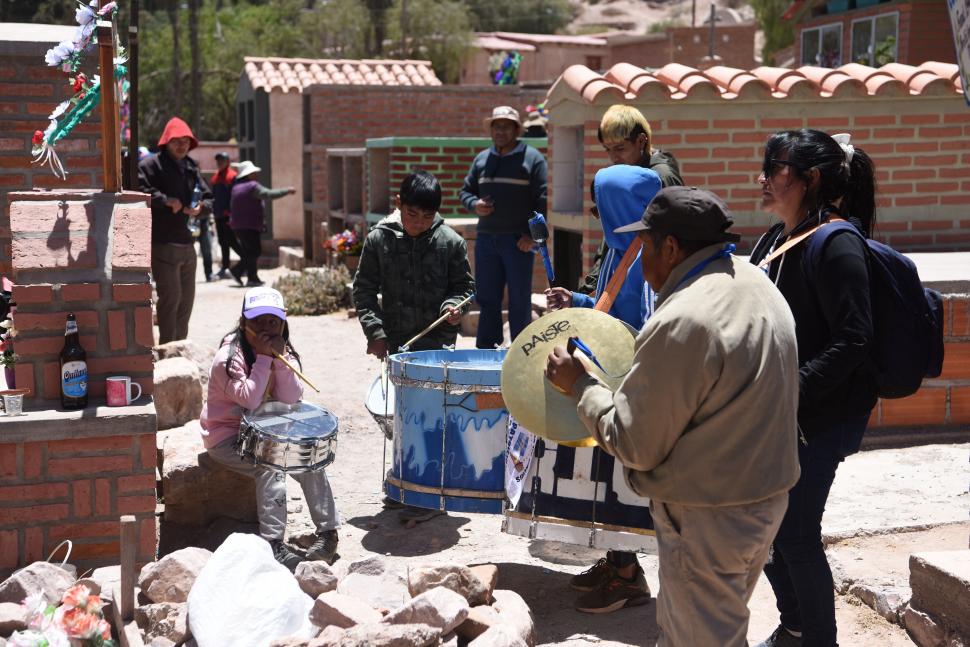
(297, 437)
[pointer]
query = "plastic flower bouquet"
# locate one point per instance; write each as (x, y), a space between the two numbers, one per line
(77, 622)
(346, 243)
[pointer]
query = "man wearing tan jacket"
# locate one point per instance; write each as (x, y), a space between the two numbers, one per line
(705, 421)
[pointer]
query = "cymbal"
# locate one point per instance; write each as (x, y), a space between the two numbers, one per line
(534, 402)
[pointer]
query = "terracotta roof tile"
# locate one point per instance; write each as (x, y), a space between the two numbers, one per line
(296, 74)
(677, 82)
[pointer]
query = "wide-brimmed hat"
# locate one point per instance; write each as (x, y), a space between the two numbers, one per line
(503, 112)
(687, 212)
(245, 168)
(534, 118)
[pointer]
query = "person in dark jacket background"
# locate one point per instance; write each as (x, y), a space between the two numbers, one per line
(504, 186)
(178, 193)
(221, 195)
(248, 219)
(807, 179)
(419, 265)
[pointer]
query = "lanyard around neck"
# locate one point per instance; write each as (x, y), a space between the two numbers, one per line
(697, 269)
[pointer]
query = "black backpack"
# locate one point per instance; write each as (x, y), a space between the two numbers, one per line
(906, 317)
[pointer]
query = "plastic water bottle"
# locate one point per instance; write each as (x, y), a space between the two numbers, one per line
(193, 224)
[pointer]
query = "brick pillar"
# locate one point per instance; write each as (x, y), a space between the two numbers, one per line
(89, 253)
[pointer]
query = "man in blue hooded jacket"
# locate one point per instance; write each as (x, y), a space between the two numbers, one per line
(622, 194)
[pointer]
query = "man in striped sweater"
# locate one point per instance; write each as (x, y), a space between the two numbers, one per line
(505, 185)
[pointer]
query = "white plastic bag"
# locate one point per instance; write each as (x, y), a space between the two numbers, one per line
(243, 597)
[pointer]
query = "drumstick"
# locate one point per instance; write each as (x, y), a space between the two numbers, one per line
(298, 373)
(435, 323)
(288, 365)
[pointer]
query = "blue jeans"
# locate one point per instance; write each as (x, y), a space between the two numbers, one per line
(498, 262)
(797, 569)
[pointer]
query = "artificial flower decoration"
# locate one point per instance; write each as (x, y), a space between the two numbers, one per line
(87, 95)
(77, 622)
(344, 244)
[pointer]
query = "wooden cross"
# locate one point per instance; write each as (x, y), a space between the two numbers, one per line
(110, 135)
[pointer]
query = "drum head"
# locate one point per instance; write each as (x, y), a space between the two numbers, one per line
(380, 398)
(531, 398)
(301, 420)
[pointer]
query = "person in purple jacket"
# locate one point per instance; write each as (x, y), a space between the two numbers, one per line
(248, 220)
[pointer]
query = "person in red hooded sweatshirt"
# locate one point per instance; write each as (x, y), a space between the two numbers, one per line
(179, 195)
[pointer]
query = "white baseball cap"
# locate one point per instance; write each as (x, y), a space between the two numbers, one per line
(263, 301)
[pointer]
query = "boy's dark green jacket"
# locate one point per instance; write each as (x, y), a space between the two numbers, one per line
(417, 278)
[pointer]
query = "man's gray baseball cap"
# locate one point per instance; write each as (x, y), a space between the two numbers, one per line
(688, 213)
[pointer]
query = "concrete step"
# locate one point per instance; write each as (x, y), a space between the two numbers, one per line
(292, 258)
(941, 587)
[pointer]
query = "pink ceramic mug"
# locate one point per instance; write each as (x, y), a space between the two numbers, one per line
(118, 390)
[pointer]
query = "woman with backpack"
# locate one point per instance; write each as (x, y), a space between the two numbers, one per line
(809, 179)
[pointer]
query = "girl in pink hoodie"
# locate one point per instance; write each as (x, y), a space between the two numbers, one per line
(245, 374)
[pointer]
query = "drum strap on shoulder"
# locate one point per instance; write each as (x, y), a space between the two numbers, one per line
(616, 281)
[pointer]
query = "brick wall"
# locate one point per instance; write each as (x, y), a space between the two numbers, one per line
(89, 253)
(60, 479)
(689, 46)
(390, 159)
(29, 91)
(346, 116)
(923, 194)
(71, 474)
(923, 30)
(943, 402)
(922, 167)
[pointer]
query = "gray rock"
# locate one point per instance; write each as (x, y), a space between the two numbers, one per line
(196, 489)
(387, 591)
(449, 640)
(13, 618)
(923, 629)
(333, 608)
(515, 615)
(315, 578)
(480, 619)
(106, 577)
(196, 353)
(163, 620)
(378, 635)
(371, 565)
(440, 607)
(171, 578)
(178, 392)
(886, 601)
(290, 641)
(38, 577)
(498, 636)
(158, 641)
(488, 574)
(456, 577)
(329, 636)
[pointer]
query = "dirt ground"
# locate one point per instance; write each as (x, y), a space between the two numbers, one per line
(333, 347)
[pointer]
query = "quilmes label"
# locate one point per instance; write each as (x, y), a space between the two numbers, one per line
(70, 328)
(74, 379)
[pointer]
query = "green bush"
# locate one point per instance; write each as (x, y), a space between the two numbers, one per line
(315, 291)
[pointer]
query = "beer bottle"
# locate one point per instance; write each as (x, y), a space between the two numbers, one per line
(74, 368)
